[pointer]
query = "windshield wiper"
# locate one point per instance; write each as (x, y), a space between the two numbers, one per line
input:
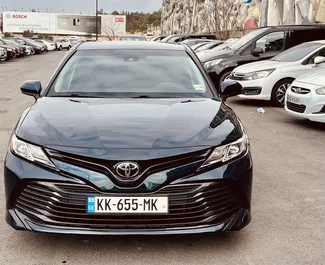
(76, 95)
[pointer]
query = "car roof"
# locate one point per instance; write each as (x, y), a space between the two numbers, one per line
(125, 45)
(133, 35)
(318, 41)
(297, 26)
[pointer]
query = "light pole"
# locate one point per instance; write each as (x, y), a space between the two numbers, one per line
(96, 20)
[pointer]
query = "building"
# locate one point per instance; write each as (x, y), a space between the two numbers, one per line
(194, 16)
(63, 24)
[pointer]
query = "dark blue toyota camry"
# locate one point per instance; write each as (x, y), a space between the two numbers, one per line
(129, 138)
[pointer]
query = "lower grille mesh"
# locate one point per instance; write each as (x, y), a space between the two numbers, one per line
(190, 205)
(296, 107)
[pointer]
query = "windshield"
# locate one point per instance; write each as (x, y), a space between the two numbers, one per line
(170, 39)
(131, 73)
(296, 53)
(131, 38)
(245, 39)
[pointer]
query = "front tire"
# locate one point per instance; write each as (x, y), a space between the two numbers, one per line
(279, 91)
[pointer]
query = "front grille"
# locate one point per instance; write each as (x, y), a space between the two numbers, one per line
(190, 205)
(147, 167)
(300, 90)
(296, 107)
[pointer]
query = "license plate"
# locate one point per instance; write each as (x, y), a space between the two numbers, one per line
(294, 100)
(149, 205)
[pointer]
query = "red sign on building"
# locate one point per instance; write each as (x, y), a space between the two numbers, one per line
(119, 19)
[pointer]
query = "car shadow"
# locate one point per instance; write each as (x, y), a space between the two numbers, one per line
(251, 102)
(154, 244)
(307, 124)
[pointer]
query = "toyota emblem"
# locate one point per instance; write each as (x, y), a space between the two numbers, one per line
(127, 170)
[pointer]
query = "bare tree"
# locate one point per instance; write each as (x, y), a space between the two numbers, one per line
(111, 29)
(225, 14)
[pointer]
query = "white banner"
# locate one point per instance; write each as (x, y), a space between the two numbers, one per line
(52, 23)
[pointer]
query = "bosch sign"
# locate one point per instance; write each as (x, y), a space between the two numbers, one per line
(19, 16)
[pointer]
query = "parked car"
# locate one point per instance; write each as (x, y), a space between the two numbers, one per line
(192, 42)
(305, 97)
(37, 47)
(145, 149)
(208, 46)
(74, 42)
(50, 45)
(223, 46)
(19, 49)
(158, 38)
(149, 32)
(133, 38)
(28, 49)
(269, 79)
(63, 44)
(10, 51)
(73, 38)
(3, 54)
(182, 37)
(260, 44)
(43, 45)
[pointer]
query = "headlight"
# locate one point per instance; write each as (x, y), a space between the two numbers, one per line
(30, 152)
(212, 63)
(258, 74)
(320, 91)
(227, 152)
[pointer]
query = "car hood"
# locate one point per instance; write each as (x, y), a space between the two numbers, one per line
(214, 55)
(261, 65)
(7, 46)
(316, 78)
(129, 123)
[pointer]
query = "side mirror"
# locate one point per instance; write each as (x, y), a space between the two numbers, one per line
(256, 51)
(230, 89)
(32, 88)
(318, 60)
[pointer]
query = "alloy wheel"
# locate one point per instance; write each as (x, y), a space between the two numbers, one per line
(280, 93)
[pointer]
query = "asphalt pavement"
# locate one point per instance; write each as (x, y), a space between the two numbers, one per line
(288, 205)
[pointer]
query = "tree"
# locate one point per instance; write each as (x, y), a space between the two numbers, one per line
(224, 16)
(116, 13)
(28, 33)
(111, 29)
(1, 22)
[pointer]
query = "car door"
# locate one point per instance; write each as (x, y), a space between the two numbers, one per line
(309, 62)
(272, 44)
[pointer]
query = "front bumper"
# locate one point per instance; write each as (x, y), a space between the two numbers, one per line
(260, 89)
(311, 106)
(46, 201)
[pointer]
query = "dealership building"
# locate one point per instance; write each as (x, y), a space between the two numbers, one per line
(63, 24)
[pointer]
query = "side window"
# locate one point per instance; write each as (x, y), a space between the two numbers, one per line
(272, 42)
(320, 52)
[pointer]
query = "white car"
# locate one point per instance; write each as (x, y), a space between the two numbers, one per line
(63, 44)
(269, 79)
(306, 97)
(50, 44)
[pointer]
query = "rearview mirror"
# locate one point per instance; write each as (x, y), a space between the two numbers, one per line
(257, 51)
(230, 89)
(319, 60)
(32, 88)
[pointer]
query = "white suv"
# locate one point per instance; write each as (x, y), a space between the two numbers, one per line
(63, 44)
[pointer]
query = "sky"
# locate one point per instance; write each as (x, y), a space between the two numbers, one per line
(85, 6)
